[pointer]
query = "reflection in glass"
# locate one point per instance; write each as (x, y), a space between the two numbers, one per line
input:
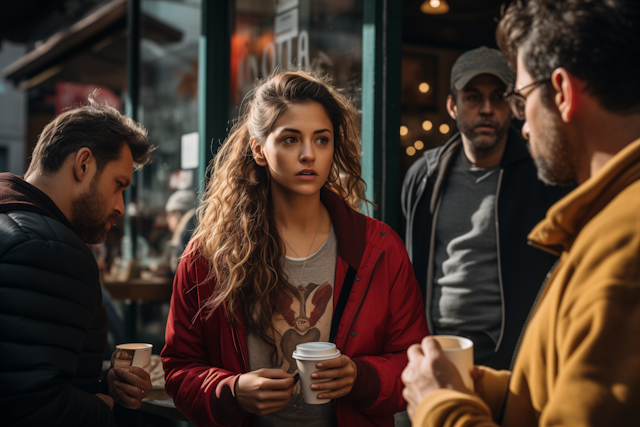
(168, 109)
(325, 37)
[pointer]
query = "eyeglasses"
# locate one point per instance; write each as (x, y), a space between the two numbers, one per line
(517, 102)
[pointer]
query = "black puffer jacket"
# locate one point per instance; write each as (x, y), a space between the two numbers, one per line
(54, 326)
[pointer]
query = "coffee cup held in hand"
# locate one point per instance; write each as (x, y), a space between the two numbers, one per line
(307, 355)
(459, 351)
(135, 354)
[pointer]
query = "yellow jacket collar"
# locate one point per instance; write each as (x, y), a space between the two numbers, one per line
(565, 219)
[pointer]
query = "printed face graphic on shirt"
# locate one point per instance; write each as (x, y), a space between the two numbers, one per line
(301, 317)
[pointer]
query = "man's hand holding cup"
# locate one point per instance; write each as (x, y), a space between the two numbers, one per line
(431, 368)
(128, 385)
(128, 382)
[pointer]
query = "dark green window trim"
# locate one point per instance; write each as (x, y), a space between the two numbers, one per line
(213, 81)
(381, 83)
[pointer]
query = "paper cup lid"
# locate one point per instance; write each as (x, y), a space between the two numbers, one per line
(453, 342)
(316, 351)
(135, 346)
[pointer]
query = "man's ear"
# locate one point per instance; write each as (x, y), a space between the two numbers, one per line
(82, 163)
(568, 97)
(452, 109)
(258, 155)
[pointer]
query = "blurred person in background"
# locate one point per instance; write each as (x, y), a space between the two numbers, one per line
(578, 362)
(53, 320)
(180, 210)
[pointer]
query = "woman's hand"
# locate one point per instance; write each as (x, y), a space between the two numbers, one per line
(342, 373)
(264, 391)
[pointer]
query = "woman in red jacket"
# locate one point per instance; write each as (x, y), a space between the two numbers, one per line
(281, 257)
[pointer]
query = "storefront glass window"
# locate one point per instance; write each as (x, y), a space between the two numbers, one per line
(168, 109)
(425, 122)
(323, 36)
(142, 276)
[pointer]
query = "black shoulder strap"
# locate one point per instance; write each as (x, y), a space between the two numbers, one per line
(342, 302)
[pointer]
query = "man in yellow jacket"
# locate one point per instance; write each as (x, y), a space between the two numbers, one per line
(579, 359)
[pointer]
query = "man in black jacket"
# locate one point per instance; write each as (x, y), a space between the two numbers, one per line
(469, 206)
(54, 325)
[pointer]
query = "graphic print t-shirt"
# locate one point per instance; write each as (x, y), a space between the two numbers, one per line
(301, 318)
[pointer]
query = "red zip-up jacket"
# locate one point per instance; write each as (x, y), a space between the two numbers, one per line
(383, 315)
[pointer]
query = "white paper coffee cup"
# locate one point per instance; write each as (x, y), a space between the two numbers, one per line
(459, 351)
(134, 354)
(307, 355)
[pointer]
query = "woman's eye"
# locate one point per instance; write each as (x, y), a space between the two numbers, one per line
(323, 141)
(288, 140)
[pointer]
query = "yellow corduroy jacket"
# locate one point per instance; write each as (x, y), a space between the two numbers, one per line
(579, 362)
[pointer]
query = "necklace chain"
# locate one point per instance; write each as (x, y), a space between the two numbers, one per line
(309, 251)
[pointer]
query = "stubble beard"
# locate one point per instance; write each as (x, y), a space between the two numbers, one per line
(479, 143)
(87, 216)
(555, 168)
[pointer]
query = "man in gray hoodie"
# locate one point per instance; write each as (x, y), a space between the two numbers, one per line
(469, 205)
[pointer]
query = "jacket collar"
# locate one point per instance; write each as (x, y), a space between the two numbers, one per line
(349, 225)
(433, 158)
(567, 217)
(445, 160)
(16, 194)
(515, 150)
(441, 160)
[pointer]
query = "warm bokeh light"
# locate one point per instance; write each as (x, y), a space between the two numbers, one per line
(411, 151)
(434, 7)
(444, 128)
(424, 87)
(404, 130)
(419, 145)
(427, 125)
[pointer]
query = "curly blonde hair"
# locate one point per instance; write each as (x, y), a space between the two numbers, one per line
(237, 233)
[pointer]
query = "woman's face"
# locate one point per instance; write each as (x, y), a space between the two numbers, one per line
(298, 150)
